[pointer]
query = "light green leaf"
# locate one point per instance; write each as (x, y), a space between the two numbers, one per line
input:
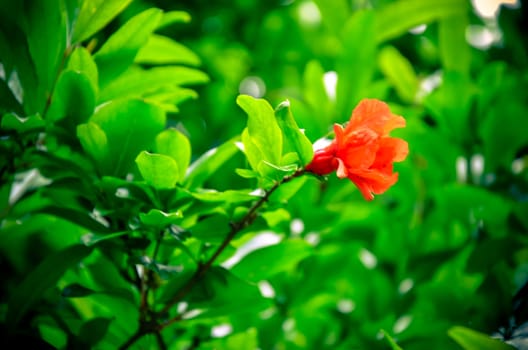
(93, 140)
(163, 50)
(266, 262)
(356, 64)
(454, 49)
(82, 61)
(73, 98)
(94, 15)
(262, 127)
(119, 51)
(43, 277)
(172, 17)
(158, 218)
(294, 139)
(137, 82)
(229, 196)
(473, 340)
(398, 17)
(130, 127)
(390, 340)
(176, 145)
(158, 170)
(399, 72)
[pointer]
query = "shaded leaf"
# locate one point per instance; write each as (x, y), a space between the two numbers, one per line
(43, 277)
(158, 218)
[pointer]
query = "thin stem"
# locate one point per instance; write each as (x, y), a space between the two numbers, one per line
(235, 228)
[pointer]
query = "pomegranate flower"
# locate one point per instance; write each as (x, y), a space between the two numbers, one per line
(363, 151)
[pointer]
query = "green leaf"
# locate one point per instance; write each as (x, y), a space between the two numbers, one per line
(73, 98)
(163, 50)
(130, 127)
(262, 128)
(473, 340)
(172, 17)
(46, 20)
(121, 48)
(221, 293)
(454, 49)
(75, 290)
(158, 170)
(359, 48)
(158, 218)
(94, 142)
(399, 72)
(82, 61)
(229, 196)
(13, 122)
(138, 82)
(176, 145)
(211, 229)
(390, 340)
(398, 17)
(334, 13)
(94, 330)
(294, 139)
(43, 277)
(90, 239)
(261, 264)
(94, 15)
(205, 166)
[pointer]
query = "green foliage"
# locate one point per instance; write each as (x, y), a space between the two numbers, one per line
(153, 192)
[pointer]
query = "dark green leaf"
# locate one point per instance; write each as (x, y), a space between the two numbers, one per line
(13, 122)
(211, 229)
(94, 330)
(76, 290)
(43, 277)
(73, 98)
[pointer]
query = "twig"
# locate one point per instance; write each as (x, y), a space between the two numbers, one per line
(235, 228)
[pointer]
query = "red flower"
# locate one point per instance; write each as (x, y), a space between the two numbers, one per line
(363, 151)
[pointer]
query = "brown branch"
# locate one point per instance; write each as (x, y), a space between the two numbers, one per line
(235, 229)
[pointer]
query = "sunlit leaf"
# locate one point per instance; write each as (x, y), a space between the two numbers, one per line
(176, 145)
(473, 340)
(162, 50)
(119, 51)
(94, 15)
(158, 170)
(264, 263)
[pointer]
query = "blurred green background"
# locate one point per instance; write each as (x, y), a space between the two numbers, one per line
(446, 247)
